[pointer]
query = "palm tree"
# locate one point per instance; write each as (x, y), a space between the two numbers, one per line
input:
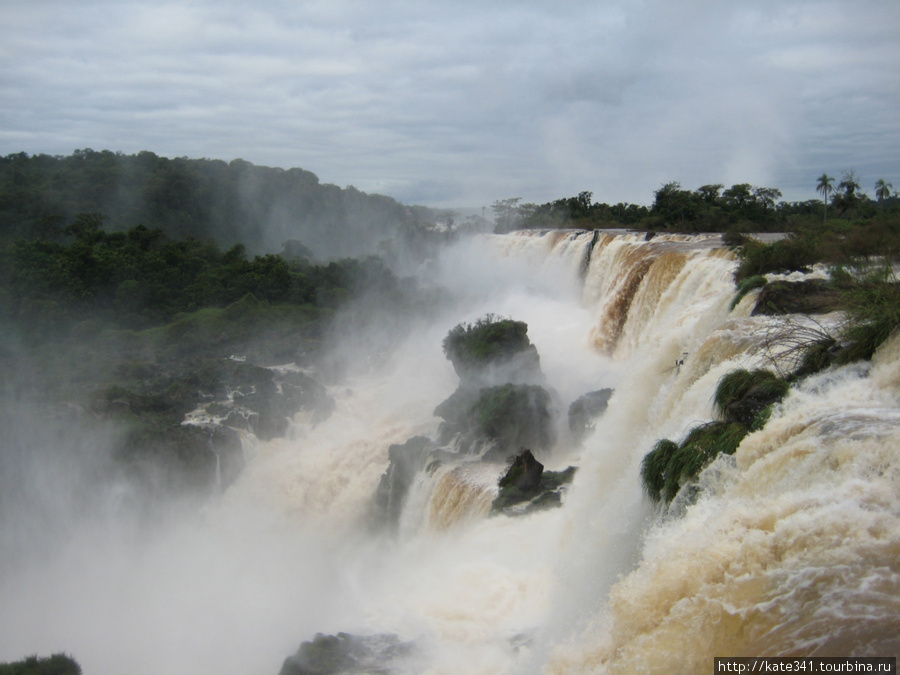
(825, 186)
(882, 190)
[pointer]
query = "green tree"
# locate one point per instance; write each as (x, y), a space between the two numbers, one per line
(87, 227)
(710, 193)
(825, 187)
(673, 203)
(847, 197)
(738, 196)
(766, 196)
(882, 190)
(849, 183)
(506, 214)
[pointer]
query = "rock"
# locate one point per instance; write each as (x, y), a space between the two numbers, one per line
(455, 413)
(585, 410)
(524, 473)
(229, 451)
(345, 654)
(812, 296)
(152, 400)
(526, 487)
(405, 461)
(498, 421)
(511, 416)
(493, 351)
(272, 398)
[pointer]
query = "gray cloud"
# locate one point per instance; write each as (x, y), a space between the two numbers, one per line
(462, 103)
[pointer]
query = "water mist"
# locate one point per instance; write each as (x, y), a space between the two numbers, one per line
(792, 546)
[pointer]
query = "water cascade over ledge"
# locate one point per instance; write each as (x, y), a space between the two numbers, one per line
(791, 546)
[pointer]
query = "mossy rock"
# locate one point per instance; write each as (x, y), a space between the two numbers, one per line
(454, 410)
(189, 456)
(524, 473)
(499, 420)
(492, 349)
(669, 466)
(151, 399)
(512, 417)
(812, 296)
(345, 654)
(746, 285)
(742, 394)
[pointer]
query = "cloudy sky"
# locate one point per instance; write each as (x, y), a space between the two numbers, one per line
(463, 102)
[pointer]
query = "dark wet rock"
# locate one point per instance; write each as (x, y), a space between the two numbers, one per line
(193, 456)
(524, 474)
(514, 416)
(405, 461)
(526, 487)
(271, 399)
(811, 296)
(585, 411)
(345, 654)
(151, 402)
(497, 421)
(455, 412)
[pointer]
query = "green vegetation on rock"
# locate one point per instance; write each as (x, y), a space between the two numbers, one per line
(742, 394)
(745, 286)
(514, 413)
(743, 399)
(669, 465)
(490, 341)
(873, 315)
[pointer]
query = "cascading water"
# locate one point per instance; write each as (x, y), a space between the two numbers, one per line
(792, 549)
(793, 546)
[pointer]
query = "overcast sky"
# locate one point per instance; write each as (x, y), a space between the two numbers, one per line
(458, 102)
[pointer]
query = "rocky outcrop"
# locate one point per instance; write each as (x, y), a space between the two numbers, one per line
(263, 401)
(492, 351)
(404, 462)
(485, 418)
(811, 296)
(585, 411)
(524, 474)
(345, 654)
(184, 419)
(496, 421)
(526, 487)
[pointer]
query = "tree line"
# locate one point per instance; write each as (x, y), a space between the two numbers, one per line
(232, 202)
(142, 277)
(710, 208)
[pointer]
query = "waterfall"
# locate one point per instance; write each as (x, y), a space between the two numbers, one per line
(638, 288)
(791, 550)
(792, 546)
(461, 494)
